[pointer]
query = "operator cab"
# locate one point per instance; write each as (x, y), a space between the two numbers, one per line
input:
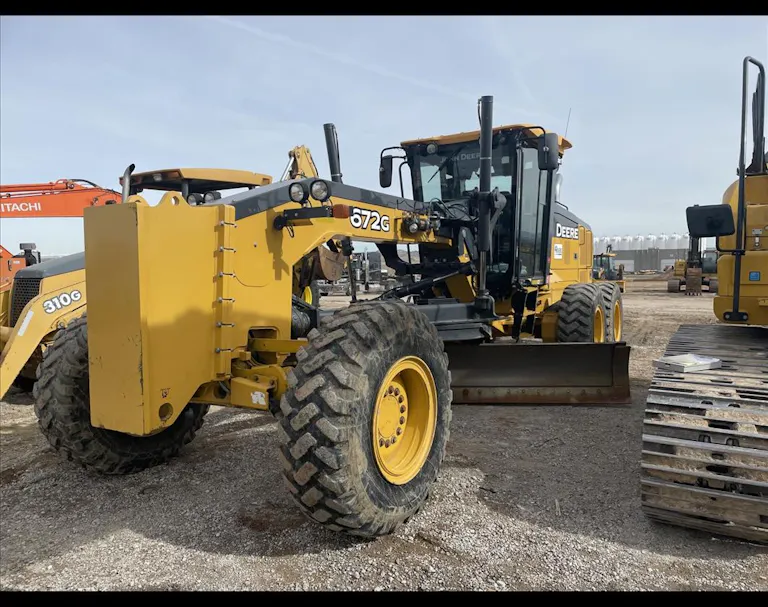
(709, 262)
(445, 174)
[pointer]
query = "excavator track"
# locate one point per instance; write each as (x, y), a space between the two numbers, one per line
(705, 436)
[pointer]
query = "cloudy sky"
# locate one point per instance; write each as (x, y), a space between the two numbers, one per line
(654, 100)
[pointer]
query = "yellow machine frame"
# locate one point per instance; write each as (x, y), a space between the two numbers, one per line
(60, 284)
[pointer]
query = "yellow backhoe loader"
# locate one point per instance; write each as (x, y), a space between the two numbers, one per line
(705, 436)
(46, 296)
(362, 395)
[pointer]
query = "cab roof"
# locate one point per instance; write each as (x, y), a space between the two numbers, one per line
(200, 180)
(474, 135)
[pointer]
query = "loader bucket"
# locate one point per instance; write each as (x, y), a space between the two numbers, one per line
(525, 373)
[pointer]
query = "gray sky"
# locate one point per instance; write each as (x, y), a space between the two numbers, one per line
(654, 122)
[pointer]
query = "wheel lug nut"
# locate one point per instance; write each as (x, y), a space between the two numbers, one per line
(402, 408)
(402, 420)
(399, 431)
(397, 391)
(394, 438)
(381, 442)
(390, 390)
(399, 399)
(386, 443)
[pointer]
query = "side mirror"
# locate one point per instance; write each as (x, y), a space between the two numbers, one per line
(549, 152)
(385, 171)
(710, 220)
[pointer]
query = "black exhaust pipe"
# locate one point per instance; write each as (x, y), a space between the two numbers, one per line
(484, 200)
(332, 145)
(334, 163)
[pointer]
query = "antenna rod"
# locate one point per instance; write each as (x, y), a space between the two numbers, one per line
(567, 123)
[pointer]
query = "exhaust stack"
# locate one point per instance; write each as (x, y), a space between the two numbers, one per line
(484, 200)
(334, 163)
(332, 145)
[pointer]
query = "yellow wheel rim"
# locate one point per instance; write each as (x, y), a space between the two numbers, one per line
(598, 331)
(404, 420)
(306, 295)
(617, 321)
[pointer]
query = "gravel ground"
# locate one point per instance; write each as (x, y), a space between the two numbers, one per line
(540, 498)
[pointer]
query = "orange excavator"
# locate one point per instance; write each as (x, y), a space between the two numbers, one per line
(61, 198)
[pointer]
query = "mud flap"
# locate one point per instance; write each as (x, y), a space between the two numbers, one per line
(540, 373)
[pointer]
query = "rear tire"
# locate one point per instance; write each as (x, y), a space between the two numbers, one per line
(713, 284)
(673, 285)
(63, 411)
(581, 305)
(614, 311)
(332, 413)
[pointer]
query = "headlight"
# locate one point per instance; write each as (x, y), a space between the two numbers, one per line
(211, 196)
(319, 190)
(431, 148)
(195, 199)
(296, 192)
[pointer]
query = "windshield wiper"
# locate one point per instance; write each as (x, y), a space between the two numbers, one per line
(446, 161)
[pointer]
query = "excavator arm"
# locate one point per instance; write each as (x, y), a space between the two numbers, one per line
(62, 198)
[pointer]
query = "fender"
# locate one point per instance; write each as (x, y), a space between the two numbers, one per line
(42, 316)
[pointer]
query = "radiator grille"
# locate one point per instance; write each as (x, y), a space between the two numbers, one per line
(24, 289)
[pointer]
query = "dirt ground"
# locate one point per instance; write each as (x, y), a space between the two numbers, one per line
(529, 498)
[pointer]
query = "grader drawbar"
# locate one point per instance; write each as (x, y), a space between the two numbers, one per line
(362, 395)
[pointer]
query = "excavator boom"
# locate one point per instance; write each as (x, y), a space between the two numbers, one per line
(62, 198)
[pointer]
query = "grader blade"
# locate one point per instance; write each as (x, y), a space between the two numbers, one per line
(540, 373)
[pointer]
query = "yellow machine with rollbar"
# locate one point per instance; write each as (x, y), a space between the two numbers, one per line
(362, 395)
(705, 433)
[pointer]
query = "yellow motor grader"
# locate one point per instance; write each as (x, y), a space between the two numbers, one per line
(504, 311)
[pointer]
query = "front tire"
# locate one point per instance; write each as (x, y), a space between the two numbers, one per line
(581, 316)
(63, 411)
(365, 423)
